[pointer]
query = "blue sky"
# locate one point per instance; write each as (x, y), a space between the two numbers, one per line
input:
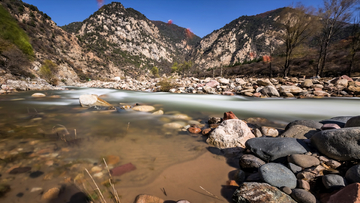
(201, 16)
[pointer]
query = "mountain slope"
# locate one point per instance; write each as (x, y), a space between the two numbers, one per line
(50, 42)
(237, 41)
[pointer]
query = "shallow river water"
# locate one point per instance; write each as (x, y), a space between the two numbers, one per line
(137, 137)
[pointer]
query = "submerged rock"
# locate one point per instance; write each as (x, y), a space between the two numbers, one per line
(144, 108)
(230, 133)
(148, 199)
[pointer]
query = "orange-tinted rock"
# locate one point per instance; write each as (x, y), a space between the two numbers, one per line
(214, 125)
(232, 183)
(206, 131)
(194, 130)
(228, 93)
(229, 115)
(257, 94)
(112, 160)
(349, 194)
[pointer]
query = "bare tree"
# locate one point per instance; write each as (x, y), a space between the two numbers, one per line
(334, 16)
(354, 43)
(299, 24)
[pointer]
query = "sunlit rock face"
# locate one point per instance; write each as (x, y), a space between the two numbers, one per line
(243, 39)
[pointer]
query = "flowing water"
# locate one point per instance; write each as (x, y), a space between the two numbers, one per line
(138, 137)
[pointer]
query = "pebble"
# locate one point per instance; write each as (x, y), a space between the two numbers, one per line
(304, 161)
(269, 131)
(52, 193)
(333, 181)
(303, 196)
(194, 130)
(148, 199)
(144, 108)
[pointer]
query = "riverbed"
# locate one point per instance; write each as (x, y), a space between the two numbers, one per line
(36, 131)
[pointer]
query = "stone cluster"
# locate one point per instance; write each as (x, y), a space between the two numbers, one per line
(308, 162)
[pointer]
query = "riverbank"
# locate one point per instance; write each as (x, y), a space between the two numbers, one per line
(343, 86)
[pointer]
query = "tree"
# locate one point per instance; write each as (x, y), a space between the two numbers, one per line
(186, 66)
(174, 67)
(334, 16)
(354, 43)
(298, 24)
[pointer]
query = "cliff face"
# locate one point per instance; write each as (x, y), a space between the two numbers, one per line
(130, 40)
(242, 39)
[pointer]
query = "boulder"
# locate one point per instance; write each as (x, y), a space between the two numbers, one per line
(92, 100)
(290, 89)
(339, 120)
(333, 181)
(303, 196)
(269, 131)
(339, 144)
(349, 194)
(303, 160)
(259, 193)
(224, 81)
(353, 122)
(307, 123)
(353, 174)
(212, 84)
(230, 133)
(329, 126)
(250, 161)
(264, 82)
(307, 83)
(144, 108)
(299, 132)
(270, 149)
(277, 175)
(269, 91)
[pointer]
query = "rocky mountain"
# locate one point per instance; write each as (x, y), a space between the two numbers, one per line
(127, 38)
(49, 43)
(242, 39)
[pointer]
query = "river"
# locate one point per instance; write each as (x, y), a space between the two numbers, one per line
(137, 137)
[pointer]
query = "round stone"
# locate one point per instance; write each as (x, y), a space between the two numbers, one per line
(303, 196)
(304, 161)
(333, 181)
(353, 174)
(250, 161)
(277, 175)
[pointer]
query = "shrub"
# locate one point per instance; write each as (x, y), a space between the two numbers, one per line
(11, 31)
(155, 71)
(47, 71)
(166, 85)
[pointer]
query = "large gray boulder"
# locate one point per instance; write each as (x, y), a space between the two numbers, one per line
(340, 144)
(277, 175)
(230, 133)
(270, 149)
(259, 193)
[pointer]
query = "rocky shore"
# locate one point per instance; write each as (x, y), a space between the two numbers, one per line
(307, 162)
(343, 86)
